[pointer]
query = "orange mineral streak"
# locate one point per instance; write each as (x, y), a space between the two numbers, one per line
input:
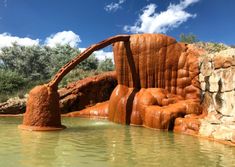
(100, 110)
(42, 109)
(157, 81)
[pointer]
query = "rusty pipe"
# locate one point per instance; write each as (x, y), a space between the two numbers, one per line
(82, 56)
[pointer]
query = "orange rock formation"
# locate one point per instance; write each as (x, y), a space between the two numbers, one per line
(157, 81)
(87, 92)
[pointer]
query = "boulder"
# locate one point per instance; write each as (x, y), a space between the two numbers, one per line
(14, 105)
(87, 92)
(188, 125)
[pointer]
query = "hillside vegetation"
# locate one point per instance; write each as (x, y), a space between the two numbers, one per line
(23, 67)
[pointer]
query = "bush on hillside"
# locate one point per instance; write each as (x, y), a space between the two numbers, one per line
(106, 65)
(10, 81)
(188, 38)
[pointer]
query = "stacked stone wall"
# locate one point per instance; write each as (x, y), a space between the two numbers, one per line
(217, 79)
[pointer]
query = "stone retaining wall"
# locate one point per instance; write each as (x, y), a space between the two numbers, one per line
(217, 81)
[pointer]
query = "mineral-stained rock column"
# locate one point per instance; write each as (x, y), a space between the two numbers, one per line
(42, 112)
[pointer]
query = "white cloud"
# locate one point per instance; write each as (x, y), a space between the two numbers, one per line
(101, 54)
(6, 40)
(152, 22)
(62, 38)
(113, 7)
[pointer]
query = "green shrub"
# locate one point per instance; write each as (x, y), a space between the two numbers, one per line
(10, 81)
(77, 74)
(106, 65)
(91, 63)
(188, 38)
(30, 62)
(212, 47)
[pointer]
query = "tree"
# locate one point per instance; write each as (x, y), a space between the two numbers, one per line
(62, 54)
(59, 56)
(27, 61)
(106, 65)
(10, 81)
(190, 38)
(91, 63)
(27, 66)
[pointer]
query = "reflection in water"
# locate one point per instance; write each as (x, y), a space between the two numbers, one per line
(101, 143)
(38, 147)
(222, 155)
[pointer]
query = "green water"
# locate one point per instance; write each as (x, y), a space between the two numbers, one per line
(101, 143)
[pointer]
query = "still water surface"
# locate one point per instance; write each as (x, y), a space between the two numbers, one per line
(99, 143)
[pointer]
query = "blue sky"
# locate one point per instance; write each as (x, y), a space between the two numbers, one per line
(84, 22)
